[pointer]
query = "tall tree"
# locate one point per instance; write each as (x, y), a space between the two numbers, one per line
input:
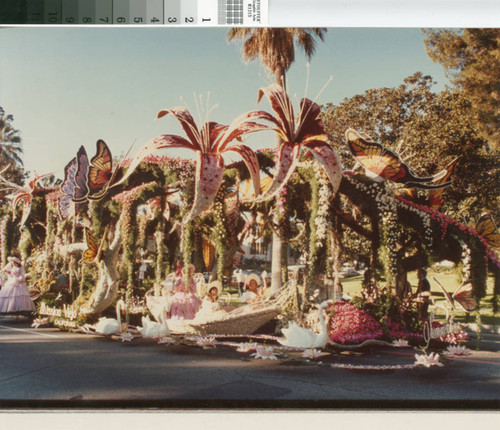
(275, 48)
(10, 148)
(429, 129)
(471, 59)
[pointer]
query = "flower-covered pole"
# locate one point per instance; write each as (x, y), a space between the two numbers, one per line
(316, 242)
(4, 237)
(129, 201)
(50, 218)
(304, 130)
(159, 236)
(220, 233)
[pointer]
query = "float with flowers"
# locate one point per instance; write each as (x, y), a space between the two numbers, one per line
(147, 247)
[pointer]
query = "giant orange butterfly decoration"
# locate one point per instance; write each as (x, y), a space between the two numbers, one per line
(435, 198)
(86, 180)
(462, 295)
(93, 252)
(383, 163)
(436, 195)
(487, 229)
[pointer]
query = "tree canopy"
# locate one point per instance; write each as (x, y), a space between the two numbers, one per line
(471, 59)
(429, 130)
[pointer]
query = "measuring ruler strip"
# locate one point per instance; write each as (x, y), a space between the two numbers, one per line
(135, 12)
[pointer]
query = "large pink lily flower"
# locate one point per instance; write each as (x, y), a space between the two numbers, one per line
(210, 142)
(304, 132)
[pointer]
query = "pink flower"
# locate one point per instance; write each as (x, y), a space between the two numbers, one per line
(165, 340)
(37, 322)
(313, 353)
(247, 347)
(457, 350)
(265, 352)
(206, 341)
(427, 360)
(126, 337)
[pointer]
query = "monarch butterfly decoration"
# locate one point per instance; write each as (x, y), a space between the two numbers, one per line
(436, 196)
(93, 252)
(462, 295)
(100, 171)
(86, 180)
(383, 163)
(487, 229)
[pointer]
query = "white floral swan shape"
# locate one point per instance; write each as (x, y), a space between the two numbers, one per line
(155, 329)
(300, 337)
(109, 326)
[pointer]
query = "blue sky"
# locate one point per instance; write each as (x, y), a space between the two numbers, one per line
(68, 87)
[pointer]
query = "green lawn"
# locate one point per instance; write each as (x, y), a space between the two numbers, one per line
(450, 282)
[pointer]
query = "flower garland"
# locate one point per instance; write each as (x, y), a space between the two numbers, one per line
(321, 221)
(220, 231)
(4, 242)
(128, 200)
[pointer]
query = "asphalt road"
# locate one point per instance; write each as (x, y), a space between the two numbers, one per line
(48, 368)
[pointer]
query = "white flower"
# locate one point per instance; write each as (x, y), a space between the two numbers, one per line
(37, 322)
(205, 341)
(87, 328)
(165, 340)
(400, 343)
(457, 350)
(126, 336)
(427, 360)
(265, 352)
(313, 353)
(247, 347)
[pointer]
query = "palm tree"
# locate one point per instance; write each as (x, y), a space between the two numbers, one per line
(275, 48)
(10, 148)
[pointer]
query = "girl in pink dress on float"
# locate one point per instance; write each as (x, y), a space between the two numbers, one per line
(185, 303)
(14, 296)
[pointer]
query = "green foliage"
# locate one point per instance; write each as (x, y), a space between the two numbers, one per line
(11, 149)
(432, 128)
(386, 308)
(471, 59)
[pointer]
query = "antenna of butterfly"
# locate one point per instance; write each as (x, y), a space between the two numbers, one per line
(113, 176)
(299, 126)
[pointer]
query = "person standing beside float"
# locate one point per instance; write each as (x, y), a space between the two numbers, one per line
(14, 296)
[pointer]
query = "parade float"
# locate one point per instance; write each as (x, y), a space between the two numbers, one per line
(84, 242)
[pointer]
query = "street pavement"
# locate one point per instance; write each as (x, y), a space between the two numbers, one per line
(47, 368)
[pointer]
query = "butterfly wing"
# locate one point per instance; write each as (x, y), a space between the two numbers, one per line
(100, 170)
(463, 296)
(487, 228)
(436, 196)
(377, 159)
(81, 177)
(92, 249)
(64, 203)
(447, 295)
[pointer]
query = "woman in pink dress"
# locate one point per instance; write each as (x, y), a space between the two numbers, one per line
(14, 296)
(185, 303)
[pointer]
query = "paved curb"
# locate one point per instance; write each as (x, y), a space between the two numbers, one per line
(485, 328)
